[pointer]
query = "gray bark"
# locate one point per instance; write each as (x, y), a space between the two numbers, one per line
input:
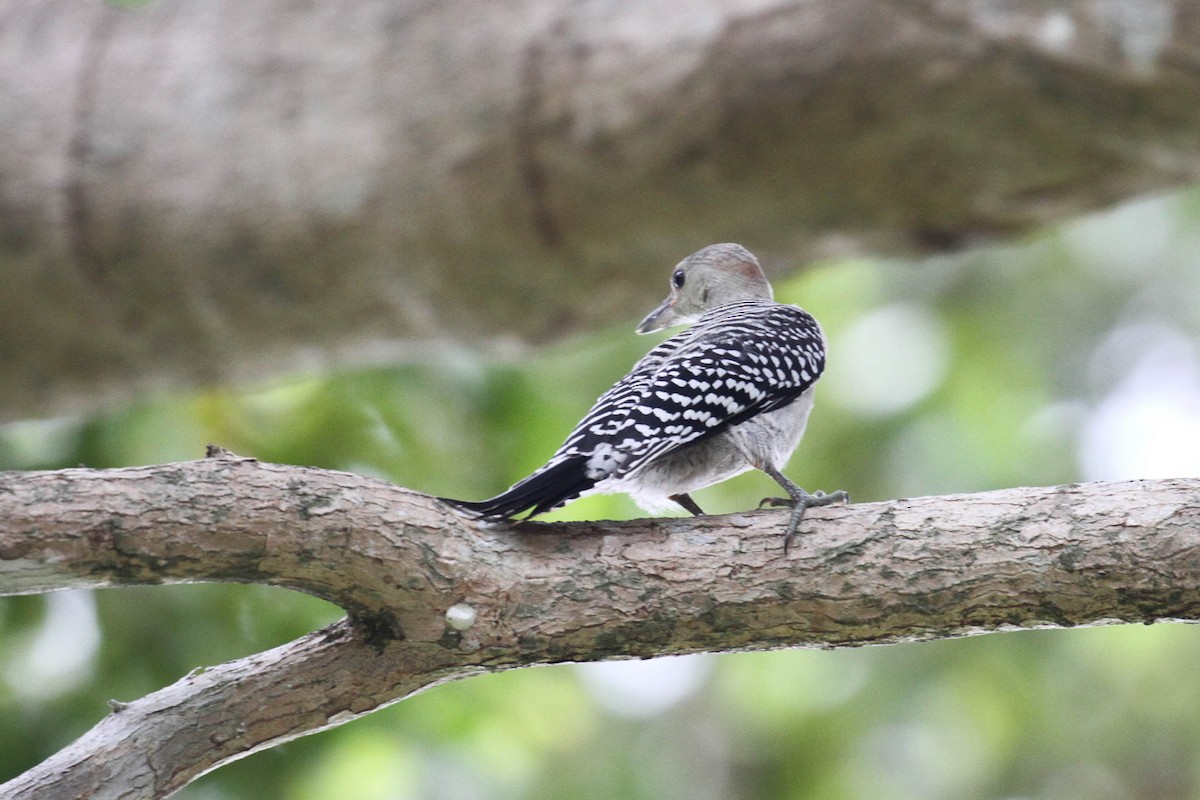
(908, 569)
(197, 190)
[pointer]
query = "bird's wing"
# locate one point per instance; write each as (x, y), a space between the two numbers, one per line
(730, 368)
(609, 414)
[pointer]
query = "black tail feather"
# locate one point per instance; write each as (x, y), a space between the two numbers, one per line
(542, 491)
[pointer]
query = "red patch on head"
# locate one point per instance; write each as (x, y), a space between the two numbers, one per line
(749, 269)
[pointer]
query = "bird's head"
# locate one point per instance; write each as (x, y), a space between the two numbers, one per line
(708, 278)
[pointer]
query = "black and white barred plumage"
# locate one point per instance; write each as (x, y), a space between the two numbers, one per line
(731, 393)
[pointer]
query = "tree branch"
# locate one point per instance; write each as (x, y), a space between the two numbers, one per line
(373, 192)
(543, 593)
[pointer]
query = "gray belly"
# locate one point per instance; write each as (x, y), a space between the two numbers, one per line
(766, 439)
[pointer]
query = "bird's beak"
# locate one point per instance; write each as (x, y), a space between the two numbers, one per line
(659, 318)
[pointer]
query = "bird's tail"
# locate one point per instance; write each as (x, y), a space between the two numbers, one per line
(546, 489)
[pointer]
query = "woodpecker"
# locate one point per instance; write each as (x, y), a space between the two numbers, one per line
(731, 393)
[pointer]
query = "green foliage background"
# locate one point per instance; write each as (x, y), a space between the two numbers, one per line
(1070, 356)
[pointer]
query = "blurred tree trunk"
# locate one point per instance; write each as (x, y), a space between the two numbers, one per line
(194, 190)
(433, 597)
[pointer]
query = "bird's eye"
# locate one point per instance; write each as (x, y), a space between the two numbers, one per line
(677, 279)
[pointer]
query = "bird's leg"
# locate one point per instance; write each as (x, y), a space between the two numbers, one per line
(687, 502)
(799, 500)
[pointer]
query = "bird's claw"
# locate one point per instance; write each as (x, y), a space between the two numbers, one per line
(799, 505)
(840, 496)
(814, 500)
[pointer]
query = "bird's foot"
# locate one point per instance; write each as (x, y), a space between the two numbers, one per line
(799, 503)
(817, 498)
(688, 503)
